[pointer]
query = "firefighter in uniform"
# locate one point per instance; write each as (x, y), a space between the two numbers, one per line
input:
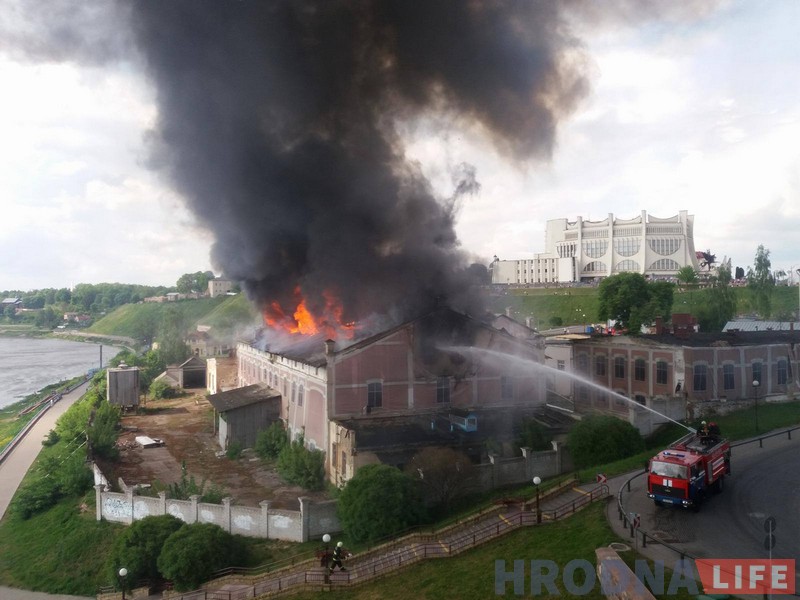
(338, 555)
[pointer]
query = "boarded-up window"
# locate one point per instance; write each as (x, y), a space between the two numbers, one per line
(334, 454)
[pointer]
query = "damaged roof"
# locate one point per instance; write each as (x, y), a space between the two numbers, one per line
(244, 396)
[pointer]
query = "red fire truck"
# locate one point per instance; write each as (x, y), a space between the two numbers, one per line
(683, 474)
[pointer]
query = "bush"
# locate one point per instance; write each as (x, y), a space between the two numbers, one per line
(194, 552)
(73, 476)
(556, 321)
(52, 439)
(161, 390)
(533, 435)
(379, 501)
(600, 439)
(139, 545)
(188, 486)
(35, 497)
(234, 450)
(299, 465)
(271, 441)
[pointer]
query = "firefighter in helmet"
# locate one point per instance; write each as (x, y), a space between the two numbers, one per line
(703, 430)
(338, 555)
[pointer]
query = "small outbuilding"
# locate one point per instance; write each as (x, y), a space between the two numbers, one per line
(122, 386)
(240, 414)
(188, 374)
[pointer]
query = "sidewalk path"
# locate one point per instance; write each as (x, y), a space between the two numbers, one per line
(16, 465)
(391, 558)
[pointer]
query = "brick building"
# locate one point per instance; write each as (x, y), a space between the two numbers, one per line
(441, 366)
(684, 376)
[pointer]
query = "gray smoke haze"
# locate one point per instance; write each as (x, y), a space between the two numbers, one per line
(277, 123)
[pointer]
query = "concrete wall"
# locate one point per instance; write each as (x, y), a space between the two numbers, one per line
(312, 520)
(501, 472)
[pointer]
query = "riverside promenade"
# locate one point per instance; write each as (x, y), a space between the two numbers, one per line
(16, 464)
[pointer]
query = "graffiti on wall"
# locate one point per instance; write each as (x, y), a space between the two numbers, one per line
(116, 507)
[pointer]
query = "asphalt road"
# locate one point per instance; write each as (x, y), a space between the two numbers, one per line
(764, 482)
(16, 465)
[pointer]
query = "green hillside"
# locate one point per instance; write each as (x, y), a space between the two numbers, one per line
(140, 321)
(571, 304)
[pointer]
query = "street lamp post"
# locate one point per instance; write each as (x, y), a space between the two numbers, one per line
(123, 573)
(326, 540)
(536, 481)
(756, 383)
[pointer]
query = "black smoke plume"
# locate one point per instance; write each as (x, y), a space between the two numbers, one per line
(278, 124)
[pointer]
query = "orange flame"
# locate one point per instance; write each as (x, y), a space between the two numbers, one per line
(303, 322)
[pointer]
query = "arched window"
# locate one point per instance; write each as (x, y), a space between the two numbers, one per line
(627, 246)
(665, 264)
(627, 265)
(665, 246)
(595, 248)
(595, 267)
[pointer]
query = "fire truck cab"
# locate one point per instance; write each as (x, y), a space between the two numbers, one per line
(684, 473)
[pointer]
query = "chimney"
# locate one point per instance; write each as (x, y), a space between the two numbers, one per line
(329, 345)
(659, 325)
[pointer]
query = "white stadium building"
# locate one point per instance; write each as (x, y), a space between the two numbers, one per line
(586, 251)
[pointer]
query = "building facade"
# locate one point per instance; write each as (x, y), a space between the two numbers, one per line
(682, 377)
(396, 376)
(586, 251)
(219, 287)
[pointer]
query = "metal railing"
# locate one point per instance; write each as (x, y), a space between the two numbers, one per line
(388, 558)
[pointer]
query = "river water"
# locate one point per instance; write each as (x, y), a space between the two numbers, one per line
(29, 364)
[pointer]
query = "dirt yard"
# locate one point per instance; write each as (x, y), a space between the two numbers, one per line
(187, 429)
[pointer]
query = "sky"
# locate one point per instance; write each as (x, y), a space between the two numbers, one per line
(696, 112)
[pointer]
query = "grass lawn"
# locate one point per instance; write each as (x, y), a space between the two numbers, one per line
(471, 575)
(62, 550)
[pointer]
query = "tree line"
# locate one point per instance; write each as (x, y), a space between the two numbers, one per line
(94, 299)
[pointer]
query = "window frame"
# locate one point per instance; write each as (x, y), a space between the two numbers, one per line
(662, 371)
(443, 390)
(700, 376)
(600, 365)
(374, 394)
(639, 369)
(728, 377)
(619, 367)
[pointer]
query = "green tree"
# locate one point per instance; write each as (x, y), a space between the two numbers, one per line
(378, 502)
(299, 465)
(718, 302)
(103, 428)
(271, 441)
(171, 335)
(687, 275)
(139, 545)
(160, 389)
(761, 282)
(599, 439)
(533, 435)
(194, 552)
(630, 300)
(443, 474)
(194, 282)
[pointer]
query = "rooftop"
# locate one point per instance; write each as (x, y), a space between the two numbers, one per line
(244, 396)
